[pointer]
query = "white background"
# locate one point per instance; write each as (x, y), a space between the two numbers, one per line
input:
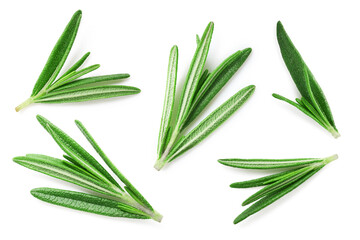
(192, 193)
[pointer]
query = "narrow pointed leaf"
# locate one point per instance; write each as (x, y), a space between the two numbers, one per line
(266, 201)
(300, 107)
(59, 54)
(212, 121)
(194, 74)
(133, 190)
(87, 203)
(92, 80)
(283, 182)
(77, 64)
(74, 76)
(302, 76)
(169, 100)
(260, 181)
(215, 82)
(58, 169)
(268, 163)
(202, 79)
(76, 152)
(88, 94)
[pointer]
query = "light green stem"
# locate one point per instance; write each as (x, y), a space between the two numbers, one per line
(26, 103)
(161, 162)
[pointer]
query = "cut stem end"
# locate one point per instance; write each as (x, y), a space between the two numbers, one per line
(334, 132)
(26, 103)
(160, 163)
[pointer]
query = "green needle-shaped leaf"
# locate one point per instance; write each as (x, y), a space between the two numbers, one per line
(282, 182)
(59, 169)
(268, 163)
(87, 203)
(92, 80)
(77, 64)
(50, 88)
(305, 81)
(169, 100)
(74, 75)
(215, 82)
(59, 54)
(211, 122)
(87, 94)
(130, 188)
(260, 181)
(194, 74)
(76, 152)
(269, 199)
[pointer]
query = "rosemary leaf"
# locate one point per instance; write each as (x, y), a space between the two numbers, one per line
(269, 199)
(128, 186)
(194, 74)
(305, 82)
(199, 89)
(87, 94)
(268, 163)
(169, 100)
(58, 169)
(83, 169)
(59, 54)
(212, 122)
(50, 88)
(92, 80)
(215, 82)
(87, 203)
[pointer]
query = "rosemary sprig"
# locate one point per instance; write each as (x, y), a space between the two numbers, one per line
(84, 170)
(276, 185)
(70, 87)
(313, 102)
(199, 89)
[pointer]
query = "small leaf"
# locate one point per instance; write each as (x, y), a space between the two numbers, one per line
(133, 190)
(266, 201)
(76, 152)
(280, 183)
(260, 181)
(215, 82)
(73, 76)
(87, 203)
(194, 74)
(92, 80)
(77, 64)
(304, 79)
(268, 163)
(58, 169)
(212, 121)
(59, 54)
(169, 99)
(300, 107)
(87, 94)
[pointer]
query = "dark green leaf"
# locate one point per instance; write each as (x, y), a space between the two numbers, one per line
(87, 203)
(59, 54)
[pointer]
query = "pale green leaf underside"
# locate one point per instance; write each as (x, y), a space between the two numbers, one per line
(87, 94)
(169, 100)
(212, 121)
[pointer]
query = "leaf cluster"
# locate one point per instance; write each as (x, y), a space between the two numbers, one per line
(200, 87)
(70, 86)
(276, 185)
(82, 169)
(313, 102)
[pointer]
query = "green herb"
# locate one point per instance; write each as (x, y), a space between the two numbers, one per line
(84, 170)
(276, 185)
(70, 87)
(313, 102)
(199, 89)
